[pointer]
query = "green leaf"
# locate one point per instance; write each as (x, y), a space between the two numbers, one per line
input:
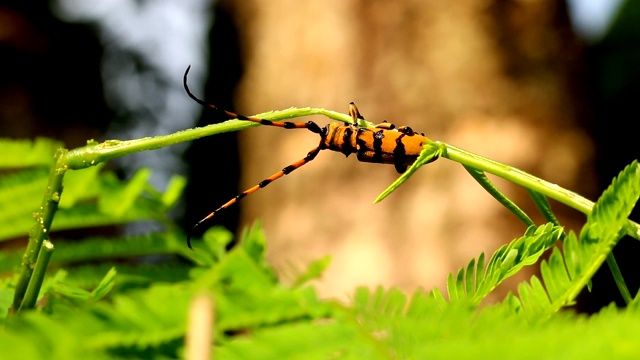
(174, 190)
(473, 282)
(452, 289)
(565, 275)
(314, 271)
(27, 153)
(304, 341)
(560, 278)
(119, 202)
(6, 299)
(469, 278)
(122, 199)
(20, 194)
(254, 243)
(105, 285)
(610, 213)
(80, 185)
(429, 153)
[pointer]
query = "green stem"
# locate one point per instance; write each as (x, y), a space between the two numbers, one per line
(617, 276)
(528, 181)
(545, 208)
(40, 270)
(94, 154)
(40, 230)
(482, 179)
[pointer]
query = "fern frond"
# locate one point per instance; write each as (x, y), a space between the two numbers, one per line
(173, 192)
(424, 331)
(105, 285)
(104, 248)
(565, 275)
(313, 271)
(88, 276)
(18, 154)
(20, 194)
(101, 248)
(329, 340)
(82, 185)
(612, 209)
(473, 282)
(245, 281)
(121, 198)
(91, 198)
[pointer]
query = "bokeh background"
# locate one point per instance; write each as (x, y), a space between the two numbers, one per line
(548, 86)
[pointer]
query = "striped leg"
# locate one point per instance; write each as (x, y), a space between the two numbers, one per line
(313, 127)
(310, 156)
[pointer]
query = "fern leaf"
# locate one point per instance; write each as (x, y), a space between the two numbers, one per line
(314, 271)
(141, 318)
(473, 282)
(539, 292)
(81, 185)
(100, 248)
(20, 194)
(89, 215)
(89, 276)
(567, 272)
(27, 153)
(573, 252)
(470, 285)
(341, 340)
(174, 191)
(389, 302)
(437, 295)
(244, 278)
(560, 278)
(612, 209)
(119, 202)
(101, 290)
(452, 288)
(6, 299)
(122, 198)
(479, 275)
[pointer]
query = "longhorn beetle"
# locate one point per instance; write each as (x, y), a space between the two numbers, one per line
(383, 144)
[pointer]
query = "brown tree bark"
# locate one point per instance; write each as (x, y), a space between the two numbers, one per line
(497, 78)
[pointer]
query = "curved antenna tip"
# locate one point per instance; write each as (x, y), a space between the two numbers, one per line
(189, 240)
(190, 232)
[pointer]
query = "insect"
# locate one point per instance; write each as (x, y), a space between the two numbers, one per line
(383, 144)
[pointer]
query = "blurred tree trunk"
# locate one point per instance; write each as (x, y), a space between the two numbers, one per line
(497, 78)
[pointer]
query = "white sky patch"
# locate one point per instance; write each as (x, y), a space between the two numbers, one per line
(592, 18)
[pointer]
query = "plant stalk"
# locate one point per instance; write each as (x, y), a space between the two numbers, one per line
(94, 153)
(527, 181)
(40, 270)
(41, 229)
